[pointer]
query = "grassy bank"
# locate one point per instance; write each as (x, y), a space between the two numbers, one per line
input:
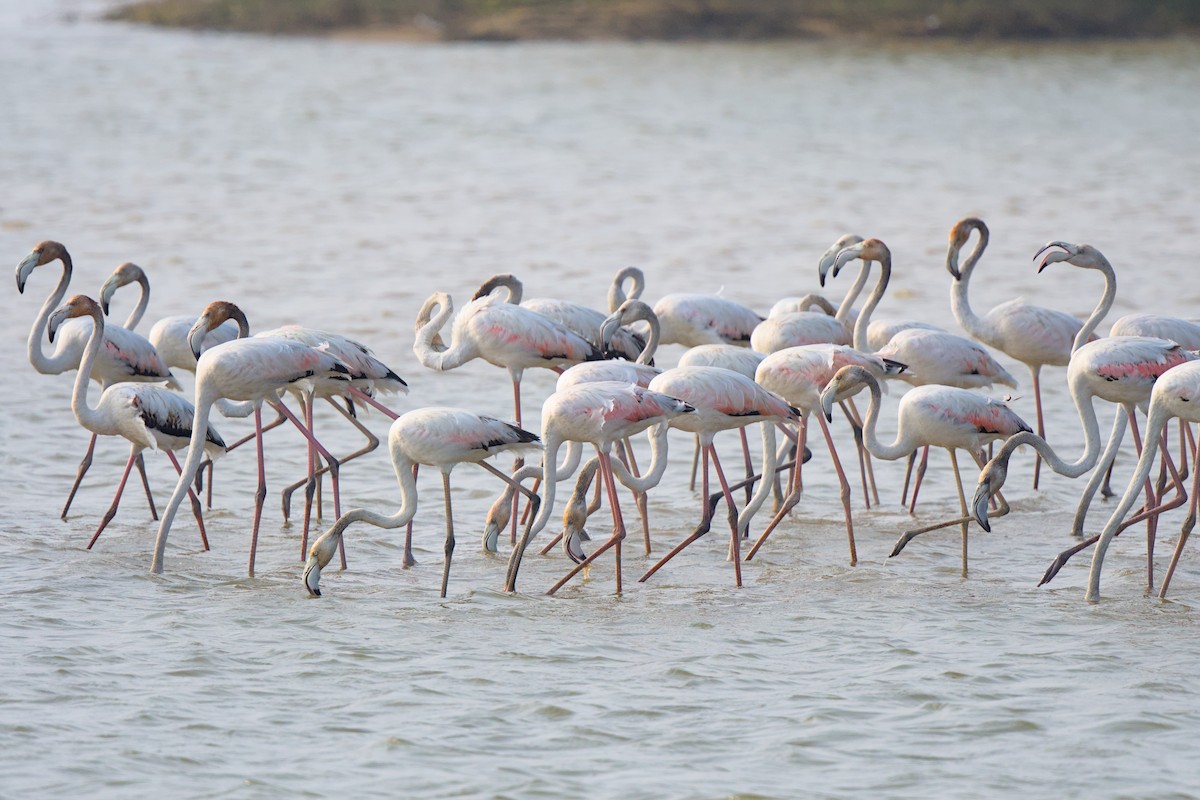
(679, 19)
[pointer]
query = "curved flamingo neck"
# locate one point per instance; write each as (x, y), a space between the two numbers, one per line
(139, 310)
(428, 346)
(960, 303)
(647, 355)
(843, 310)
(616, 292)
(87, 416)
(901, 446)
(60, 362)
(403, 465)
(1102, 308)
(864, 316)
(657, 434)
(551, 441)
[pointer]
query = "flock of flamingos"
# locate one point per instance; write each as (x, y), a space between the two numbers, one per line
(800, 362)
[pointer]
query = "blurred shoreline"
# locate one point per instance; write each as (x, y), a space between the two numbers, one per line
(682, 20)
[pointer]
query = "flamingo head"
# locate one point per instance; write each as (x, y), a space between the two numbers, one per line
(869, 250)
(991, 481)
(319, 556)
(78, 306)
(123, 275)
(628, 312)
(213, 315)
(1080, 255)
(506, 281)
(848, 381)
(828, 257)
(959, 235)
(44, 253)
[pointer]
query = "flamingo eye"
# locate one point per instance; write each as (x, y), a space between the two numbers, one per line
(1185, 399)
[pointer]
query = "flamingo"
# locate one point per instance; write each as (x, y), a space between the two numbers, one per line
(436, 437)
(169, 334)
(599, 413)
(1034, 335)
(252, 370)
(124, 357)
(574, 317)
(1175, 394)
(844, 312)
(723, 400)
(500, 333)
(146, 415)
(798, 374)
(937, 416)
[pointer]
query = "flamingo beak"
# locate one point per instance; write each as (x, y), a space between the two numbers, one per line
(197, 333)
(608, 328)
(979, 505)
(952, 261)
(1053, 256)
(491, 537)
(312, 576)
(572, 546)
(847, 255)
(827, 399)
(56, 319)
(24, 269)
(106, 293)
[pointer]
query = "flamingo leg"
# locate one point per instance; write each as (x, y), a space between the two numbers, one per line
(260, 495)
(449, 548)
(196, 510)
(84, 465)
(140, 463)
(372, 444)
(625, 453)
(1186, 530)
(861, 451)
(310, 480)
(909, 463)
(618, 529)
(112, 509)
(866, 453)
(734, 536)
(371, 401)
(962, 504)
(1151, 521)
(695, 465)
(920, 477)
(518, 462)
(749, 463)
(510, 581)
(793, 495)
(1036, 373)
(845, 484)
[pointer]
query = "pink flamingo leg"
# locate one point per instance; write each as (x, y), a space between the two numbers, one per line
(112, 509)
(734, 537)
(1036, 372)
(196, 511)
(449, 548)
(518, 462)
(1188, 525)
(793, 495)
(310, 485)
(260, 495)
(371, 401)
(707, 509)
(84, 465)
(140, 463)
(1151, 522)
(618, 529)
(920, 477)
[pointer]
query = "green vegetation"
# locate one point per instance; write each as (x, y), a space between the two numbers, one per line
(679, 19)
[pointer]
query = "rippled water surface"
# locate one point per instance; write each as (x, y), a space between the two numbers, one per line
(339, 183)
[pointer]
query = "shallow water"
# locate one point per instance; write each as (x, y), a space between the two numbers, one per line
(339, 183)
